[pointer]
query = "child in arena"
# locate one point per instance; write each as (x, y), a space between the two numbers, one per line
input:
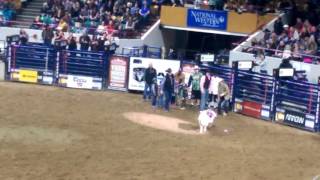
(206, 119)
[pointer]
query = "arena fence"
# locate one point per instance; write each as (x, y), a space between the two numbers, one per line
(258, 95)
(253, 94)
(33, 64)
(78, 69)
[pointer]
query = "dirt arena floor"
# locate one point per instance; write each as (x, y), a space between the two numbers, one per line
(55, 133)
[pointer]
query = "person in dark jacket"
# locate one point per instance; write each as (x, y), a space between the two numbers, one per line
(149, 75)
(278, 26)
(168, 89)
(84, 42)
(47, 35)
(72, 43)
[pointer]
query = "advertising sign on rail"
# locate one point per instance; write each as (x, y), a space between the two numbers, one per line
(252, 109)
(80, 82)
(118, 73)
(31, 76)
(207, 19)
(28, 76)
(297, 119)
(139, 65)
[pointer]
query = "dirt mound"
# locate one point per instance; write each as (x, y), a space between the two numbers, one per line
(162, 122)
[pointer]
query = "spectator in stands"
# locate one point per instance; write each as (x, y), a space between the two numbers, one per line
(149, 76)
(280, 49)
(94, 45)
(101, 42)
(37, 24)
(260, 64)
(144, 13)
(72, 43)
(63, 24)
(47, 35)
(60, 41)
(312, 46)
(134, 10)
(278, 26)
(84, 42)
(285, 64)
(110, 28)
(24, 37)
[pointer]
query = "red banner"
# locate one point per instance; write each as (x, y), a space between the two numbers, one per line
(252, 109)
(118, 73)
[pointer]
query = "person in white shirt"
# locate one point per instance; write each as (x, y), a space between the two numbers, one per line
(206, 119)
(213, 89)
(260, 64)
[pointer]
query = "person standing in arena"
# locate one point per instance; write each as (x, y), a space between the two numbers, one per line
(204, 87)
(224, 97)
(213, 90)
(168, 88)
(194, 83)
(149, 75)
(160, 79)
(179, 78)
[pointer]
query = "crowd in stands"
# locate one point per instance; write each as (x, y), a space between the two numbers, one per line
(111, 17)
(70, 42)
(297, 39)
(7, 11)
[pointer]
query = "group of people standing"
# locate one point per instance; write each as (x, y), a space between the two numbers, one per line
(166, 89)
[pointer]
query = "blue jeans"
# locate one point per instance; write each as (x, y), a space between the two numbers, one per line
(223, 106)
(160, 101)
(167, 101)
(147, 93)
(154, 90)
(204, 99)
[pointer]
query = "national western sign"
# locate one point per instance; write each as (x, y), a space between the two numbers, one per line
(294, 118)
(207, 19)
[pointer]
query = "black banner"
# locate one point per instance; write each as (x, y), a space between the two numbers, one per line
(295, 118)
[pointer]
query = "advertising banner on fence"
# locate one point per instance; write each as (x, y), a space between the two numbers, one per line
(294, 118)
(28, 76)
(82, 82)
(252, 109)
(139, 65)
(118, 73)
(207, 19)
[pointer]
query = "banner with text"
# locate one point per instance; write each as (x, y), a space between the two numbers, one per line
(207, 19)
(118, 73)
